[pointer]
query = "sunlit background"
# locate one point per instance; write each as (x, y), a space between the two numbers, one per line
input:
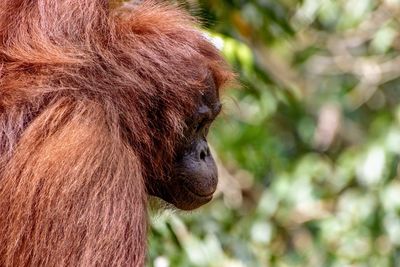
(308, 148)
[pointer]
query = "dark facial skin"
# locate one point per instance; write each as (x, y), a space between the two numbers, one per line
(196, 172)
(195, 176)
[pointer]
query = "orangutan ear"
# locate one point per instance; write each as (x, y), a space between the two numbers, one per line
(72, 189)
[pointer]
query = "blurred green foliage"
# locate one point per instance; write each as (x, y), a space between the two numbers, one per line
(308, 148)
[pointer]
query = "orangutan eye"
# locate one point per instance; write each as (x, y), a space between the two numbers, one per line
(201, 124)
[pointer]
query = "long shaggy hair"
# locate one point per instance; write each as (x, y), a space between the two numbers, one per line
(92, 101)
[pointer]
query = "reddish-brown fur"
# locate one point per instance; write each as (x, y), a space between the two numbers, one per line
(92, 101)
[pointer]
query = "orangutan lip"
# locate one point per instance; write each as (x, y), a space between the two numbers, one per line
(205, 196)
